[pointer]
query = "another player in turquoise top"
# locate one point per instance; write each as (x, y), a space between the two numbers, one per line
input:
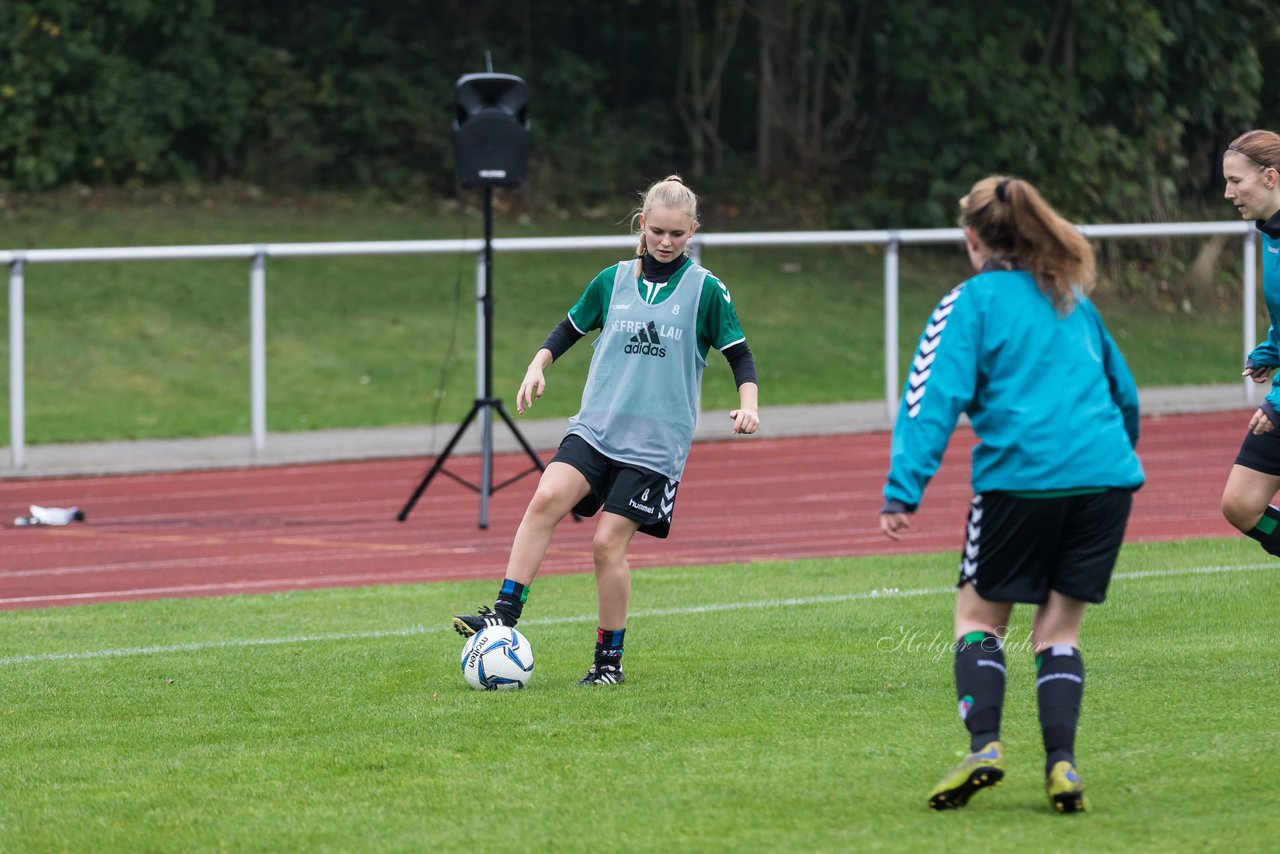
(1251, 168)
(1022, 351)
(1048, 393)
(659, 314)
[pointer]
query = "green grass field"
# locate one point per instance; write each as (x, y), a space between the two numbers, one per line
(160, 349)
(770, 706)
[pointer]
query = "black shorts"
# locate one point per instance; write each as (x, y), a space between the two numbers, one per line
(1261, 453)
(1018, 549)
(636, 493)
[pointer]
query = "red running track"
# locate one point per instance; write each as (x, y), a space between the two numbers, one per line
(214, 533)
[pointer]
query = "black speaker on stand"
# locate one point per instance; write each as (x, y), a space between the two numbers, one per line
(491, 149)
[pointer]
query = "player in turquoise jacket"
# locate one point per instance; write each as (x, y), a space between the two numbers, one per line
(659, 315)
(1050, 396)
(1251, 168)
(1022, 351)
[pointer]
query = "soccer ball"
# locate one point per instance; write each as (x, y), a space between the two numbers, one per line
(496, 659)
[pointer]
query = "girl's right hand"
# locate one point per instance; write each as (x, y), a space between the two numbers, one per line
(892, 523)
(531, 388)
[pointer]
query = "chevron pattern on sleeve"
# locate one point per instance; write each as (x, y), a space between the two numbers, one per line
(922, 364)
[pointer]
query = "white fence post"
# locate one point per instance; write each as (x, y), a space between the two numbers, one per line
(17, 369)
(258, 351)
(1250, 306)
(891, 327)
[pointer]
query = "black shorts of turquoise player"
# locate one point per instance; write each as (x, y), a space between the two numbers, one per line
(1018, 548)
(1261, 453)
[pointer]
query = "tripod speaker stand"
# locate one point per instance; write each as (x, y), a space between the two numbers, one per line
(491, 149)
(484, 406)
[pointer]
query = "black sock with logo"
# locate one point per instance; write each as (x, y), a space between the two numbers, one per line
(609, 646)
(1059, 692)
(980, 677)
(510, 602)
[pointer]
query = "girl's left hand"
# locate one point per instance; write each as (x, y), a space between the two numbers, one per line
(745, 420)
(1258, 373)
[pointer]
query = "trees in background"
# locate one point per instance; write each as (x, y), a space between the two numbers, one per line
(869, 113)
(700, 78)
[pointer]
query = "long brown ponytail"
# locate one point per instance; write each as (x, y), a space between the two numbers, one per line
(1015, 222)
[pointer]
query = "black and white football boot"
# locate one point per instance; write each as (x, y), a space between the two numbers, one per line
(468, 624)
(603, 674)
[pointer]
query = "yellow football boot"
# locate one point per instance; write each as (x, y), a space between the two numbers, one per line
(1066, 791)
(978, 771)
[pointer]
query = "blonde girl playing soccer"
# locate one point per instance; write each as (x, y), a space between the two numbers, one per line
(659, 314)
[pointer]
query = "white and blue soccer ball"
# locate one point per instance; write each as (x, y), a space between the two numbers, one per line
(497, 659)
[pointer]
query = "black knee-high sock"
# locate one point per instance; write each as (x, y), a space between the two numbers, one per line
(1059, 690)
(980, 686)
(609, 646)
(510, 602)
(1267, 531)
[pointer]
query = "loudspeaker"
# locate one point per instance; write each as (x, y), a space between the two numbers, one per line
(491, 130)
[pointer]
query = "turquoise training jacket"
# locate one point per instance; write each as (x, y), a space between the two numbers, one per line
(1050, 397)
(1267, 354)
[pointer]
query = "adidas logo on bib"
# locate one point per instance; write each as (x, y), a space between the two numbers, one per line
(646, 343)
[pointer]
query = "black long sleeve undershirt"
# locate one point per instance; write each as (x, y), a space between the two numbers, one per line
(564, 336)
(660, 272)
(742, 362)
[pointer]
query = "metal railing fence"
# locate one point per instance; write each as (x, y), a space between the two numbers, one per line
(257, 255)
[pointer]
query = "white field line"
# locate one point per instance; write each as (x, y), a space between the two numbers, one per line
(886, 593)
